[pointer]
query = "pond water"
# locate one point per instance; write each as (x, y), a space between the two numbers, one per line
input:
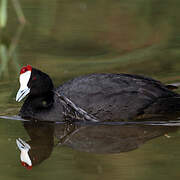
(67, 38)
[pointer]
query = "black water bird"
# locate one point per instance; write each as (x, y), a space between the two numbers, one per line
(94, 97)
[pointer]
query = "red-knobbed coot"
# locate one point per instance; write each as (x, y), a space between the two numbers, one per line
(96, 97)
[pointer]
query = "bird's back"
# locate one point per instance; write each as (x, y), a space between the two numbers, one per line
(114, 96)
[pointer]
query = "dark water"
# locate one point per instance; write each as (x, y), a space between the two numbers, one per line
(71, 38)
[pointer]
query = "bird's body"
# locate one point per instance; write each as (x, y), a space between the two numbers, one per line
(107, 97)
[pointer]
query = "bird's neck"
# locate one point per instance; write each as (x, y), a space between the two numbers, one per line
(44, 101)
(38, 103)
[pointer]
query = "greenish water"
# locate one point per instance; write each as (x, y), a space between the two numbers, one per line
(70, 38)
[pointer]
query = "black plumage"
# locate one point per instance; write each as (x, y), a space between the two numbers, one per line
(106, 97)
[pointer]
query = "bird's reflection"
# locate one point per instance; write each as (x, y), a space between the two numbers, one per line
(40, 145)
(89, 138)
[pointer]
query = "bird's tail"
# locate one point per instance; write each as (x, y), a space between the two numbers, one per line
(170, 105)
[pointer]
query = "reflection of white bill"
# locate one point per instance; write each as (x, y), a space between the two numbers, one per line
(24, 148)
(18, 118)
(22, 145)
